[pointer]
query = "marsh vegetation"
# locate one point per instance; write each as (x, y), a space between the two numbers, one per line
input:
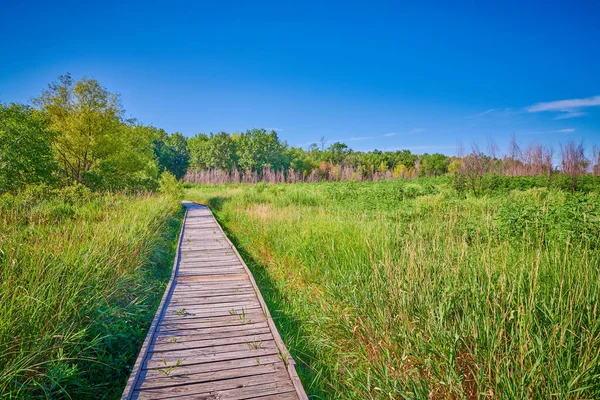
(412, 289)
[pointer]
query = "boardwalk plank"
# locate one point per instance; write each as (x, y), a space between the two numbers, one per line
(157, 380)
(186, 338)
(172, 359)
(178, 343)
(216, 387)
(216, 366)
(196, 326)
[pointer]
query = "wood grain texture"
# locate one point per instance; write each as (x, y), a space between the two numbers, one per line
(213, 336)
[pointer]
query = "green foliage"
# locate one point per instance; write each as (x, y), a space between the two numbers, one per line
(170, 186)
(257, 149)
(214, 151)
(95, 146)
(171, 152)
(496, 184)
(562, 217)
(25, 148)
(434, 164)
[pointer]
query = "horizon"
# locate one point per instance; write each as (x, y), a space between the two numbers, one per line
(423, 78)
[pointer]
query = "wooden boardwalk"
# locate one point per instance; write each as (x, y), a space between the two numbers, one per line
(212, 336)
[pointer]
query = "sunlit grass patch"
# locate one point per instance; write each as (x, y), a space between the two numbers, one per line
(80, 277)
(394, 289)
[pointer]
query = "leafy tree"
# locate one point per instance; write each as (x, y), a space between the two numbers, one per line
(301, 161)
(25, 148)
(180, 155)
(161, 148)
(214, 151)
(336, 153)
(196, 147)
(131, 165)
(87, 117)
(434, 164)
(258, 149)
(406, 158)
(171, 152)
(94, 145)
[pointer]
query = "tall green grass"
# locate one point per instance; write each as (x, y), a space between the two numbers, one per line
(411, 290)
(81, 275)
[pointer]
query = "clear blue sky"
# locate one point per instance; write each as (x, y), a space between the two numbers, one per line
(419, 75)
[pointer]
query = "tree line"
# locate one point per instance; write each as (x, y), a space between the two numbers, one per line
(257, 155)
(76, 132)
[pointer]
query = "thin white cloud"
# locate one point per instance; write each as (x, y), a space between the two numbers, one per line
(362, 138)
(494, 112)
(547, 132)
(431, 147)
(481, 114)
(442, 147)
(570, 114)
(568, 108)
(412, 131)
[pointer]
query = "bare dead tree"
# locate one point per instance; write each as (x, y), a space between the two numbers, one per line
(495, 164)
(573, 163)
(596, 160)
(474, 168)
(323, 142)
(547, 156)
(512, 162)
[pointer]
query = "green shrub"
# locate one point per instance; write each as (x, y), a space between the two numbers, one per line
(170, 186)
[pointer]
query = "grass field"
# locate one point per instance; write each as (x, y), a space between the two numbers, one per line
(408, 289)
(81, 275)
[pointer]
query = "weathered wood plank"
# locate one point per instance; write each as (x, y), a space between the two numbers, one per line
(172, 358)
(178, 344)
(197, 326)
(217, 386)
(210, 292)
(187, 342)
(157, 380)
(232, 307)
(213, 299)
(190, 370)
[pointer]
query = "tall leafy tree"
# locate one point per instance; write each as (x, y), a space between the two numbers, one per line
(87, 117)
(95, 145)
(258, 149)
(336, 153)
(197, 148)
(180, 155)
(171, 152)
(131, 165)
(214, 151)
(25, 148)
(434, 164)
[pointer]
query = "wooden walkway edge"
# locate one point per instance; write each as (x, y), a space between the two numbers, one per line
(212, 336)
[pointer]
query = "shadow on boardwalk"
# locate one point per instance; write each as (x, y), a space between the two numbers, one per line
(289, 327)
